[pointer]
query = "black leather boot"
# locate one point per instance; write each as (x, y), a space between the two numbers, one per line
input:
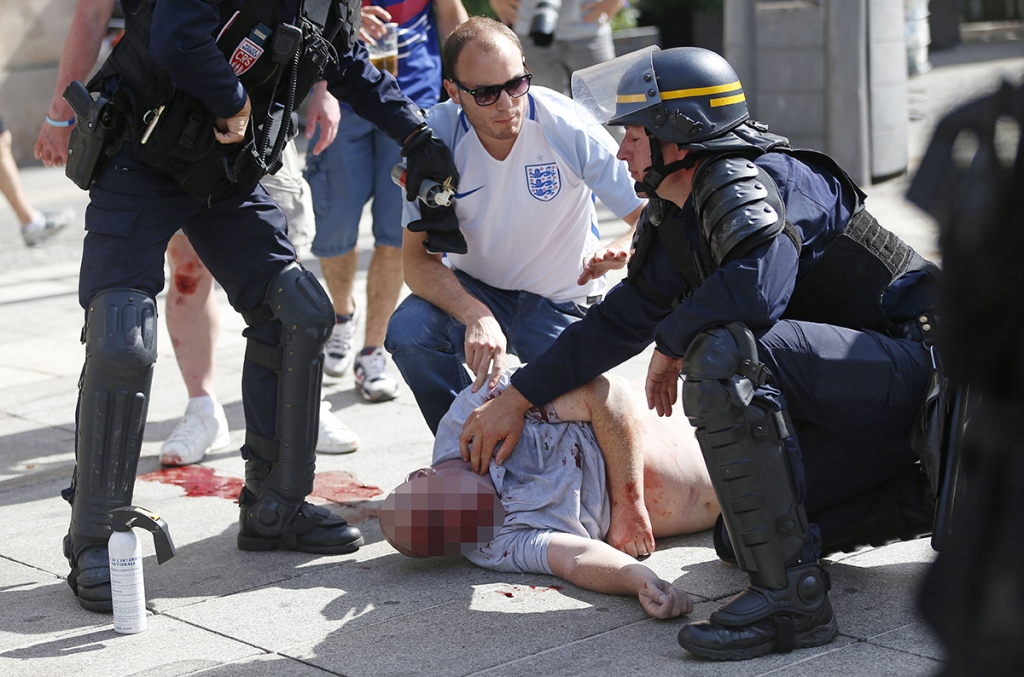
(90, 574)
(760, 621)
(272, 522)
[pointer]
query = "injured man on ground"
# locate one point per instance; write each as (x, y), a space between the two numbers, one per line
(594, 478)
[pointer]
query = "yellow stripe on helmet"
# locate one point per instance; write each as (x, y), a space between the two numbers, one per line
(630, 98)
(726, 100)
(701, 91)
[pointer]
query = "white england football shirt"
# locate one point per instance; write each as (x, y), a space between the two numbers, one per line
(530, 219)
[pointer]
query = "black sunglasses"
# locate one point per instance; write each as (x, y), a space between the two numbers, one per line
(489, 94)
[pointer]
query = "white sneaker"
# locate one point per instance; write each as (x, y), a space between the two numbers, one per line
(203, 428)
(45, 225)
(338, 352)
(335, 437)
(372, 378)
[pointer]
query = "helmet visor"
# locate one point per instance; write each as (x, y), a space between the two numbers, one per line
(604, 92)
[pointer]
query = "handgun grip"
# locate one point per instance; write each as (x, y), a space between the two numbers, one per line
(79, 98)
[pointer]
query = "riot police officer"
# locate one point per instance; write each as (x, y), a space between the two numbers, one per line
(795, 320)
(194, 106)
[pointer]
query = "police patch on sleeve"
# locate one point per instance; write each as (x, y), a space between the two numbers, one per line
(249, 49)
(245, 56)
(544, 181)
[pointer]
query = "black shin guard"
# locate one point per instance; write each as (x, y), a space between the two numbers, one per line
(742, 438)
(120, 339)
(279, 472)
(742, 442)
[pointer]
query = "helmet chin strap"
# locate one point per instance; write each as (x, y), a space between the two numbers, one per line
(659, 171)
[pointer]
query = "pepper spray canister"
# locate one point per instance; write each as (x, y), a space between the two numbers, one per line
(124, 549)
(432, 193)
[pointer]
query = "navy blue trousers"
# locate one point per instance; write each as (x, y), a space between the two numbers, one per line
(853, 397)
(242, 240)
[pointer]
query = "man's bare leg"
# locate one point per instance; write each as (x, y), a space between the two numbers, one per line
(193, 320)
(10, 182)
(383, 285)
(340, 275)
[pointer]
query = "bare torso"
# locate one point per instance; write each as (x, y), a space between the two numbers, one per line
(677, 489)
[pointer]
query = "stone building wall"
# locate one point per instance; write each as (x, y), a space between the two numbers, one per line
(34, 33)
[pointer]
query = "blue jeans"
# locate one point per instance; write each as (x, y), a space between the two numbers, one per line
(353, 169)
(428, 345)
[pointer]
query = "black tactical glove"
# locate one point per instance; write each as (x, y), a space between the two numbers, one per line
(442, 228)
(427, 157)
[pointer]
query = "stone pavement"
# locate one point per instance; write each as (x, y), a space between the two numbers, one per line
(218, 611)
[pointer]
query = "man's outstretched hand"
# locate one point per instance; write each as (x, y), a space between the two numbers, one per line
(494, 423)
(661, 599)
(600, 261)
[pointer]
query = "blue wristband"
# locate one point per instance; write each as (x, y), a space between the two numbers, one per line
(57, 123)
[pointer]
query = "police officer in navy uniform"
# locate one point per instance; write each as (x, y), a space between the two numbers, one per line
(184, 152)
(793, 318)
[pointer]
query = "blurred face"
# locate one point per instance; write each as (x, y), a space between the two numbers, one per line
(442, 512)
(481, 64)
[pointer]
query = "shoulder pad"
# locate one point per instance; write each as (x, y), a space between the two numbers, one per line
(738, 205)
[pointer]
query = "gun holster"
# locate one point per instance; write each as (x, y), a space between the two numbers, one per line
(94, 139)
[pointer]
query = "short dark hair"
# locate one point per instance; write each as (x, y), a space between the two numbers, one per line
(476, 28)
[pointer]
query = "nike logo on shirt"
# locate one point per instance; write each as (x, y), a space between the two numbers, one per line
(468, 192)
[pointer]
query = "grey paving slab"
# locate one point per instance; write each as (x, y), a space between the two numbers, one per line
(267, 665)
(26, 449)
(168, 648)
(330, 596)
(915, 638)
(861, 658)
(32, 528)
(652, 649)
(48, 400)
(494, 624)
(37, 606)
(691, 564)
(874, 591)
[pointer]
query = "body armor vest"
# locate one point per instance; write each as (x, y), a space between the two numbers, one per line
(173, 131)
(844, 288)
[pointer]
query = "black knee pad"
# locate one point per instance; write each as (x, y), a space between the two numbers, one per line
(722, 372)
(120, 339)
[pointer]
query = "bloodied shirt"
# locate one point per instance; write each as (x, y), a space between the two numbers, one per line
(554, 481)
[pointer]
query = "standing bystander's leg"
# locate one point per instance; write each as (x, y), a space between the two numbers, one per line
(36, 226)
